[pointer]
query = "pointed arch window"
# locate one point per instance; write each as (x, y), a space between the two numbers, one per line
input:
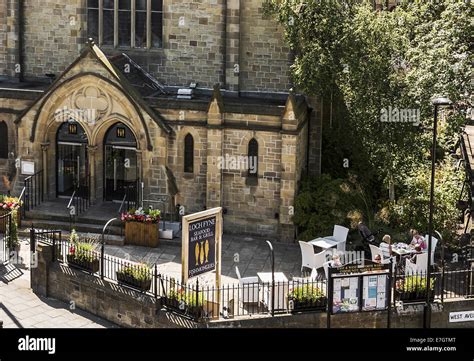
(3, 140)
(188, 154)
(253, 158)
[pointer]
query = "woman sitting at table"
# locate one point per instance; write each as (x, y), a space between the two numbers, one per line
(386, 245)
(417, 252)
(417, 240)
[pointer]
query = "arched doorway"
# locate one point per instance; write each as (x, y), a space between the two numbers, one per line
(71, 160)
(121, 166)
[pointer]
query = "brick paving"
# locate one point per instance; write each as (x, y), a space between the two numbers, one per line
(21, 308)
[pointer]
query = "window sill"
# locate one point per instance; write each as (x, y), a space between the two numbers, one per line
(188, 175)
(131, 50)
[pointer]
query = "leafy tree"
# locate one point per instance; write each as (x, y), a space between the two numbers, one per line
(373, 60)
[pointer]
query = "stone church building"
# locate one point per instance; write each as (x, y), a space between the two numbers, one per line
(178, 103)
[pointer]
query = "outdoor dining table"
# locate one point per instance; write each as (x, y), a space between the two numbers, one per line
(324, 243)
(281, 289)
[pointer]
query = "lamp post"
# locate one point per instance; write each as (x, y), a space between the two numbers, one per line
(273, 276)
(437, 102)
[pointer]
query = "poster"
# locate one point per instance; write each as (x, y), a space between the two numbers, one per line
(346, 295)
(202, 246)
(374, 292)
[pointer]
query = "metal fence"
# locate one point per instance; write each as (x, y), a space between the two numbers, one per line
(246, 297)
(5, 236)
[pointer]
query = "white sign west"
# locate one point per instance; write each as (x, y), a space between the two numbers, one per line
(462, 316)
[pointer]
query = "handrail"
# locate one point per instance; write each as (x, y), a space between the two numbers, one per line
(71, 199)
(122, 204)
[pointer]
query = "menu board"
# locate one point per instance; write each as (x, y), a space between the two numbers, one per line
(345, 295)
(374, 292)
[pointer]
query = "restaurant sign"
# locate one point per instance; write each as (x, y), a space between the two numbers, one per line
(202, 246)
(202, 234)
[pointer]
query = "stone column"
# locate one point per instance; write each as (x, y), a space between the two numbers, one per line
(215, 118)
(91, 152)
(13, 42)
(44, 148)
(232, 65)
(288, 183)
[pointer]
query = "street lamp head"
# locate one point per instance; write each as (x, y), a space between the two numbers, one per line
(441, 101)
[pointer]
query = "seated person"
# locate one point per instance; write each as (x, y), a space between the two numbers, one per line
(417, 239)
(418, 251)
(386, 244)
(336, 261)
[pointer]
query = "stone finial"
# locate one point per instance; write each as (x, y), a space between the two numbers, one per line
(216, 106)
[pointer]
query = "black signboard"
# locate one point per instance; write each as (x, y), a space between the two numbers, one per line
(202, 246)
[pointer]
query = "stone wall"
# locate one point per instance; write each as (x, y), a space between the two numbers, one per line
(197, 44)
(265, 55)
(54, 35)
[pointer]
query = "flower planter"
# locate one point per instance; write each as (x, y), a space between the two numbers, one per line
(142, 234)
(318, 305)
(90, 266)
(143, 285)
(414, 296)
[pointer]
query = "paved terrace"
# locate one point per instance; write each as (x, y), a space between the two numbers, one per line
(250, 255)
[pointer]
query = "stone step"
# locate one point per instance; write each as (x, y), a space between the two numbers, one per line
(113, 240)
(66, 226)
(43, 216)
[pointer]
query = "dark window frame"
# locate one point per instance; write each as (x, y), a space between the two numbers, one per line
(252, 151)
(4, 143)
(188, 153)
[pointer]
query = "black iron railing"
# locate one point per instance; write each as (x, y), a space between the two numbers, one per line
(5, 236)
(247, 297)
(32, 194)
(79, 202)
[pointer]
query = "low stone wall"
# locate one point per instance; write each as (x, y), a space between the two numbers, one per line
(129, 308)
(413, 319)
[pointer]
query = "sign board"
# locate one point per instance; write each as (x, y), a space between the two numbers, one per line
(27, 167)
(201, 248)
(374, 292)
(462, 316)
(356, 288)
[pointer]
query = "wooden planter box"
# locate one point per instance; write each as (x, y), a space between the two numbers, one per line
(142, 234)
(90, 266)
(133, 282)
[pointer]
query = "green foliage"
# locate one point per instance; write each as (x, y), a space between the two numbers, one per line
(189, 299)
(306, 293)
(140, 272)
(410, 210)
(369, 61)
(414, 284)
(83, 251)
(324, 202)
